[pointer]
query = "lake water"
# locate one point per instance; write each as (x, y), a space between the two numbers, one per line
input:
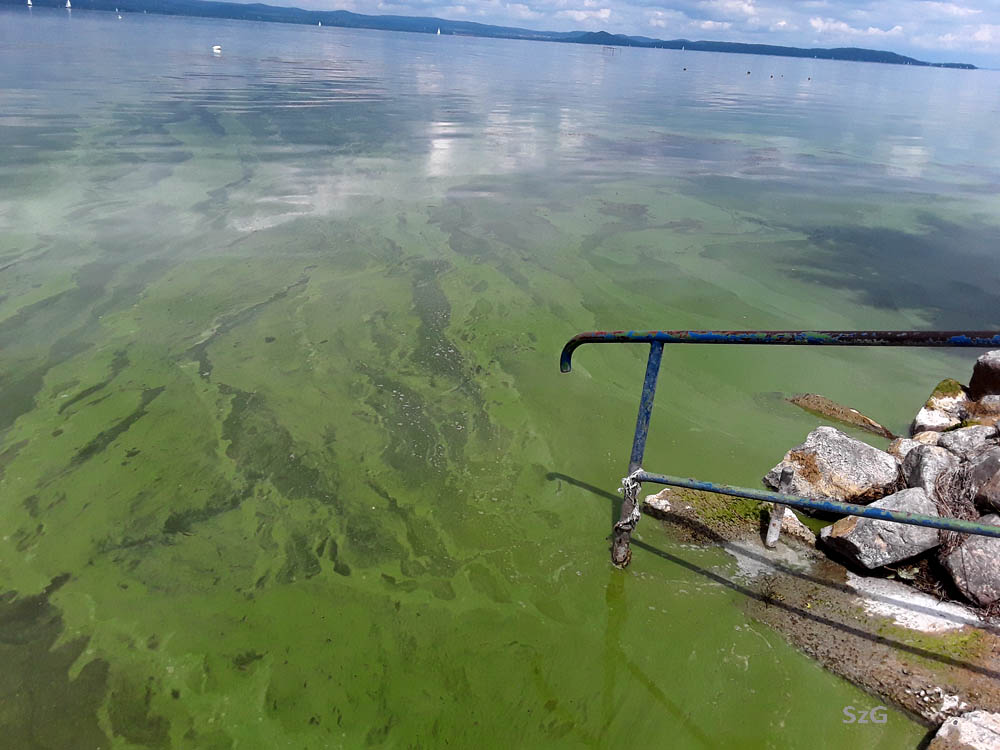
(287, 459)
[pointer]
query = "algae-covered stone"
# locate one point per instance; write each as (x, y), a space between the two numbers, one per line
(831, 464)
(985, 376)
(976, 730)
(874, 543)
(975, 566)
(946, 408)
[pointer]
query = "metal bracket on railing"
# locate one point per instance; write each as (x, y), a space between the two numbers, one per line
(622, 533)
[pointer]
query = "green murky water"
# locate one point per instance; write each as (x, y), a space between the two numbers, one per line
(286, 457)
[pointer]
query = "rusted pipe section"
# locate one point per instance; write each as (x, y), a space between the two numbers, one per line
(629, 517)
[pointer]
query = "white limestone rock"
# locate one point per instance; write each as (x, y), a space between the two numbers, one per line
(976, 730)
(947, 408)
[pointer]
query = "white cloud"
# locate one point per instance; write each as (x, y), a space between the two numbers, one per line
(715, 25)
(585, 15)
(984, 36)
(730, 8)
(948, 9)
(835, 27)
(522, 11)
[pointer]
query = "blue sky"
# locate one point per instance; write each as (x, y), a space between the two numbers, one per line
(928, 29)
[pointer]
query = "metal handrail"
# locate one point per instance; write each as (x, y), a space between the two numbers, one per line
(620, 552)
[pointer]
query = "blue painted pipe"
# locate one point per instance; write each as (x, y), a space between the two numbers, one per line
(620, 554)
(983, 339)
(829, 506)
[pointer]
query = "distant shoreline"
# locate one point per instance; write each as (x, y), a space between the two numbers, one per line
(430, 25)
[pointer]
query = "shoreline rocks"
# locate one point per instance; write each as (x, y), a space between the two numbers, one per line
(832, 464)
(985, 379)
(975, 566)
(874, 543)
(946, 408)
(949, 466)
(976, 730)
(923, 465)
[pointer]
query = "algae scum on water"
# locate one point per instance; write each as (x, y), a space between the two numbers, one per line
(286, 457)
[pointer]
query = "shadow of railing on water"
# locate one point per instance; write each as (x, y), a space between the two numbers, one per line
(714, 538)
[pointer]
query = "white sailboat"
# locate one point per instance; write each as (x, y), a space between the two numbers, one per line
(320, 23)
(439, 30)
(29, 3)
(68, 6)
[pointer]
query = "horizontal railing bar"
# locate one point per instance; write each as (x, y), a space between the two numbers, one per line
(982, 339)
(830, 506)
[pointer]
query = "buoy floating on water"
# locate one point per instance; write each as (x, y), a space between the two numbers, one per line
(217, 49)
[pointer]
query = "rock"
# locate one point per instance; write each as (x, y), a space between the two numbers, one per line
(986, 410)
(831, 464)
(977, 730)
(984, 479)
(975, 566)
(792, 527)
(823, 406)
(988, 405)
(985, 376)
(928, 437)
(658, 504)
(968, 441)
(925, 464)
(946, 408)
(901, 446)
(874, 543)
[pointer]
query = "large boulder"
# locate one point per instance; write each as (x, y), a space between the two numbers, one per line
(985, 376)
(947, 408)
(976, 730)
(968, 441)
(902, 446)
(874, 543)
(924, 464)
(984, 479)
(831, 464)
(975, 566)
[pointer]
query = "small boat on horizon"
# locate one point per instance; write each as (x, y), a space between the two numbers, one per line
(29, 3)
(68, 6)
(439, 30)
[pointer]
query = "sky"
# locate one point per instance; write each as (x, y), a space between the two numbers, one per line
(927, 29)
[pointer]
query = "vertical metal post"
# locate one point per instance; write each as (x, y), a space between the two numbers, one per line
(622, 533)
(778, 510)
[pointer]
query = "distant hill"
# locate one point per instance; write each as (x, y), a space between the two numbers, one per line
(343, 18)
